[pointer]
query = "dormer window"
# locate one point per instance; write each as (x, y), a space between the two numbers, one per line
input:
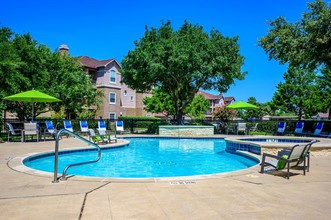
(112, 76)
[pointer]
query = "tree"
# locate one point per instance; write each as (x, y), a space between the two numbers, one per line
(225, 114)
(197, 108)
(304, 44)
(72, 85)
(297, 94)
(255, 113)
(323, 94)
(160, 102)
(26, 65)
(181, 62)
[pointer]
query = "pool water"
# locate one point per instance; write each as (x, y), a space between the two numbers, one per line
(150, 158)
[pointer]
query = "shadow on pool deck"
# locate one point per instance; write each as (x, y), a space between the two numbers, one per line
(239, 195)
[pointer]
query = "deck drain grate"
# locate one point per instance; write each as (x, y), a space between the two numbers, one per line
(182, 182)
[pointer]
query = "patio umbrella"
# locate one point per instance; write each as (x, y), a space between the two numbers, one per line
(242, 105)
(32, 96)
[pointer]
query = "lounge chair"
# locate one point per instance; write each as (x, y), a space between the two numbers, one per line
(281, 128)
(102, 125)
(68, 126)
(317, 131)
(83, 127)
(318, 128)
(13, 132)
(299, 128)
(30, 129)
(241, 127)
(119, 126)
(106, 136)
(325, 135)
(298, 154)
(254, 128)
(49, 129)
(96, 138)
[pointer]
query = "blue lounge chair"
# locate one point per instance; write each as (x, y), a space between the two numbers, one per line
(281, 128)
(318, 128)
(299, 128)
(50, 129)
(102, 125)
(119, 126)
(83, 127)
(68, 126)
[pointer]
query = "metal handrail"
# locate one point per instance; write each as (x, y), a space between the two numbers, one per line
(56, 154)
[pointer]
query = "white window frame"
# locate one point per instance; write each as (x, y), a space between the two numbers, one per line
(112, 113)
(110, 77)
(132, 98)
(125, 93)
(110, 97)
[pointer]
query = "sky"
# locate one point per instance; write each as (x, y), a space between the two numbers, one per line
(104, 29)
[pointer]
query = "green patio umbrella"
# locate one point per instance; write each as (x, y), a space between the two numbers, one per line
(32, 96)
(242, 105)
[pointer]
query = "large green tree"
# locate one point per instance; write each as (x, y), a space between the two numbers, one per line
(180, 62)
(160, 102)
(197, 108)
(303, 44)
(297, 93)
(26, 65)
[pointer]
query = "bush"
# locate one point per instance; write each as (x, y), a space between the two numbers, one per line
(144, 124)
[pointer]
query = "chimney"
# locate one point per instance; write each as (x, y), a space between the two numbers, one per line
(64, 49)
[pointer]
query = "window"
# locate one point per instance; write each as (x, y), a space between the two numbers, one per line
(125, 93)
(112, 76)
(112, 116)
(112, 98)
(131, 98)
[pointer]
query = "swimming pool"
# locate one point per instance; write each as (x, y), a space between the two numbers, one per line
(150, 158)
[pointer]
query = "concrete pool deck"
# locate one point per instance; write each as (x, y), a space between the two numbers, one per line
(239, 195)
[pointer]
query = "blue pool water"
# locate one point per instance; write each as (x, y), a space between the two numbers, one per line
(150, 157)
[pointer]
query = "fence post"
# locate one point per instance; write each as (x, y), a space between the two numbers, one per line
(132, 126)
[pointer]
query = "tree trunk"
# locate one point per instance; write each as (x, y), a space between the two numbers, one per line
(179, 118)
(300, 114)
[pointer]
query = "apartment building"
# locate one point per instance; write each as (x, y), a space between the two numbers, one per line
(215, 101)
(118, 98)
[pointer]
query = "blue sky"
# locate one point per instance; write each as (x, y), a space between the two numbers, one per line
(107, 29)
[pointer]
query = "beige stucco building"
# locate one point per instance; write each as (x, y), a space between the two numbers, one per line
(118, 98)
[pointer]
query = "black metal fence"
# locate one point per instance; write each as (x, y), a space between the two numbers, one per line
(136, 126)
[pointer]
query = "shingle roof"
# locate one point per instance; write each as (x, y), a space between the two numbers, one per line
(93, 63)
(228, 99)
(210, 96)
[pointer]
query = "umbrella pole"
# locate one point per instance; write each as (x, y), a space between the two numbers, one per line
(32, 120)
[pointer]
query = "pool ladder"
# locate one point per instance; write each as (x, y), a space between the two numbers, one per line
(56, 154)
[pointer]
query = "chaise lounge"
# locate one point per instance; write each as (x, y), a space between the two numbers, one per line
(300, 153)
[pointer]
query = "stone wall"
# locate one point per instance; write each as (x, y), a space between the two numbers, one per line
(186, 131)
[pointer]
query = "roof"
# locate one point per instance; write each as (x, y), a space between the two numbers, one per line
(210, 96)
(93, 63)
(228, 99)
